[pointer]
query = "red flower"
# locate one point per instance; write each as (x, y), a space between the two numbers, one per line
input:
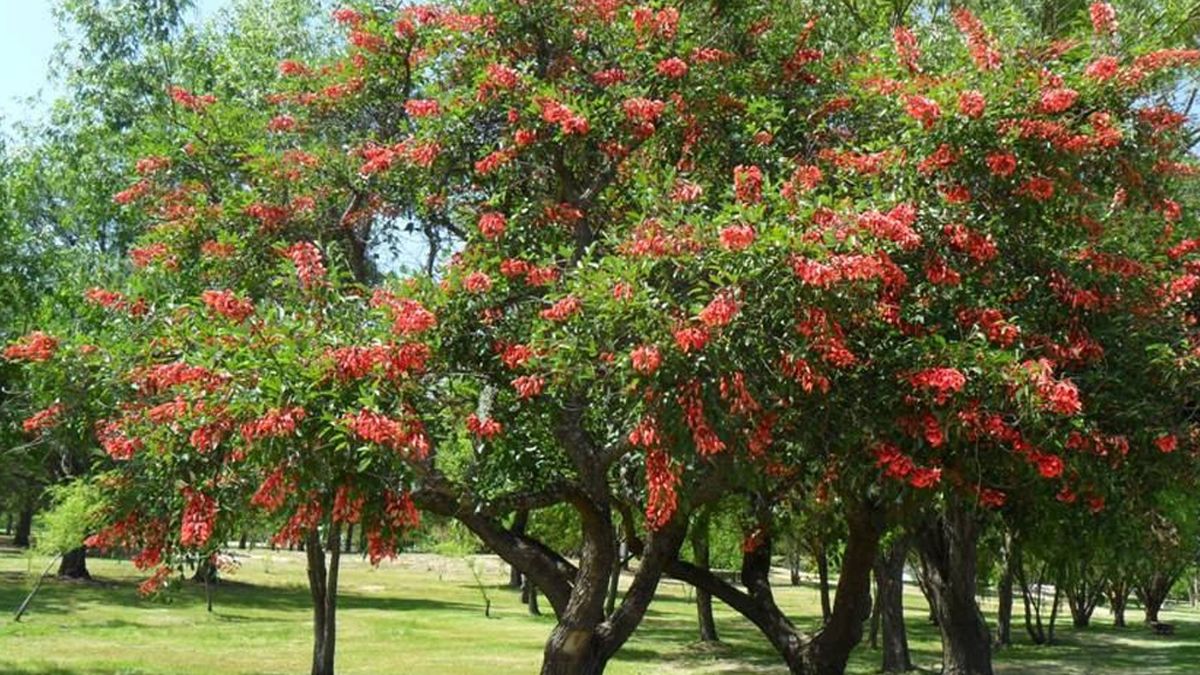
(477, 282)
(492, 225)
(1103, 69)
(227, 305)
(971, 103)
(737, 237)
(1049, 466)
(43, 419)
(199, 513)
(1166, 443)
(747, 184)
(721, 310)
(646, 359)
(528, 386)
(483, 428)
(943, 382)
(661, 479)
(1104, 18)
(563, 309)
(907, 49)
(673, 68)
(1038, 188)
(35, 347)
(1002, 164)
(922, 109)
(422, 108)
(691, 339)
(1057, 100)
(309, 267)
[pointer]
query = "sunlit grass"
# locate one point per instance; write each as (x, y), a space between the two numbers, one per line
(424, 614)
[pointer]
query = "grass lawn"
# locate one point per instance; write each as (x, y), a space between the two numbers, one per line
(424, 614)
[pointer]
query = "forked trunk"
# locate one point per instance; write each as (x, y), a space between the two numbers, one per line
(322, 585)
(947, 545)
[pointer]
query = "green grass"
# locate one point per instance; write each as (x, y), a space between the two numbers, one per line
(424, 614)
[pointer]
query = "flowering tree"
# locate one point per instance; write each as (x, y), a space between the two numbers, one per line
(703, 249)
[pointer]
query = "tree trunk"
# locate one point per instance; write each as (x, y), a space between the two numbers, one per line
(1053, 614)
(889, 600)
(8, 523)
(876, 614)
(794, 567)
(74, 564)
(520, 522)
(574, 645)
(700, 554)
(529, 595)
(823, 580)
(348, 544)
(1153, 591)
(614, 579)
(243, 540)
(322, 585)
(24, 526)
(1004, 592)
(1033, 607)
(947, 546)
(1118, 598)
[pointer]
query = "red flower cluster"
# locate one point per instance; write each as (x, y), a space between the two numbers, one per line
(563, 309)
(273, 491)
(703, 436)
(35, 347)
(227, 304)
(199, 515)
(114, 441)
(528, 386)
(483, 428)
(410, 317)
(737, 237)
(492, 225)
(568, 122)
(1104, 18)
(899, 466)
(645, 359)
(673, 68)
(922, 109)
(979, 43)
(721, 310)
(191, 101)
(662, 499)
(747, 184)
(1058, 396)
(43, 419)
(943, 382)
(275, 423)
(309, 266)
(691, 339)
(907, 49)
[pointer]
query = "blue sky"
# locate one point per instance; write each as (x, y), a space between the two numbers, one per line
(27, 38)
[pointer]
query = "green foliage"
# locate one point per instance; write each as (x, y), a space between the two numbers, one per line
(76, 511)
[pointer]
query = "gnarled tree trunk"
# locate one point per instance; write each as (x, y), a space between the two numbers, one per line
(520, 522)
(1152, 592)
(947, 547)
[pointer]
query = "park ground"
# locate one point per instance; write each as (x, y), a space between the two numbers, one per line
(425, 614)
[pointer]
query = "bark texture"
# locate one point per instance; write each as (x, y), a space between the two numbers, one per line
(947, 546)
